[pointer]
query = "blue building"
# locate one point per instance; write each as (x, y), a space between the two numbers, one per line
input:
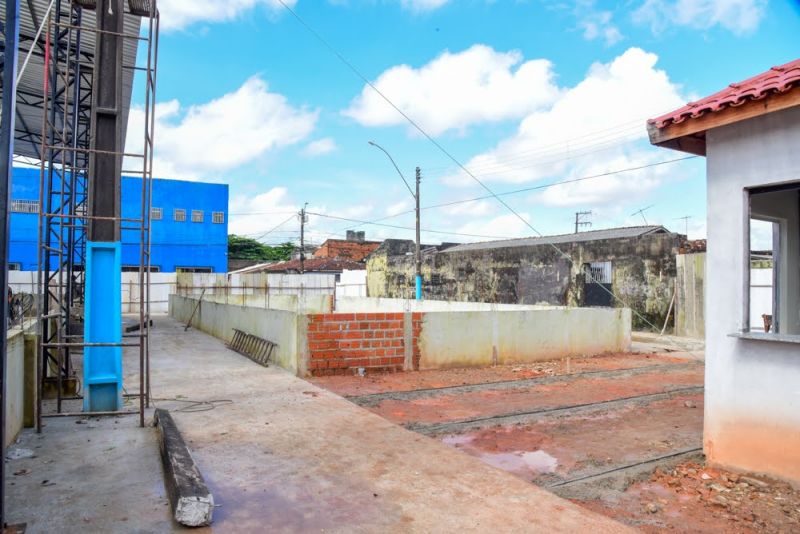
(189, 224)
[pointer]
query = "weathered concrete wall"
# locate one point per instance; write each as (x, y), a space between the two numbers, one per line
(15, 384)
(366, 305)
(643, 274)
(752, 404)
(466, 339)
(285, 328)
(690, 295)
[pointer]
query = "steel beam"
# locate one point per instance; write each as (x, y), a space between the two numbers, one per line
(11, 35)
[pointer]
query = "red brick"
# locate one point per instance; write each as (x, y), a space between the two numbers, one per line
(353, 334)
(345, 316)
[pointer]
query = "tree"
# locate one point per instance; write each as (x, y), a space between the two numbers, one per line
(245, 248)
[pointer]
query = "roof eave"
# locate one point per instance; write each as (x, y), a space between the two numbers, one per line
(689, 135)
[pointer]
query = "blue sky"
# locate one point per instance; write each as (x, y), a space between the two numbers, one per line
(524, 93)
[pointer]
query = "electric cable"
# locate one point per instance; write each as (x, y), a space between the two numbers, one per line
(452, 158)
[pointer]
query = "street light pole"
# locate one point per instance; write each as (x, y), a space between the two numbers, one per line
(418, 291)
(418, 278)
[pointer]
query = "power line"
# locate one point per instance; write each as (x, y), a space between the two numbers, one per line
(275, 227)
(406, 227)
(450, 156)
(484, 197)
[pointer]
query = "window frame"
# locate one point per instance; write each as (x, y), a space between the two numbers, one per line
(202, 217)
(31, 206)
(221, 215)
(746, 331)
(181, 211)
(201, 270)
(159, 212)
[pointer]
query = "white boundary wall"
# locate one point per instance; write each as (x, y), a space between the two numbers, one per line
(389, 305)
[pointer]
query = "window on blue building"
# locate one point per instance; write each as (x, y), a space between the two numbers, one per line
(156, 214)
(25, 206)
(179, 214)
(197, 216)
(193, 269)
(218, 217)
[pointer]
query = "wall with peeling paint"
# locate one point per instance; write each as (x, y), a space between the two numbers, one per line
(752, 406)
(643, 274)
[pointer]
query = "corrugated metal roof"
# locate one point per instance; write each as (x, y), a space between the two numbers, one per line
(776, 80)
(30, 90)
(593, 235)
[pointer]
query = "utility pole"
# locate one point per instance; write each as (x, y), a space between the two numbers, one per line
(579, 222)
(418, 277)
(418, 285)
(303, 221)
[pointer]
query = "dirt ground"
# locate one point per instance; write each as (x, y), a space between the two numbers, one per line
(348, 386)
(620, 434)
(693, 498)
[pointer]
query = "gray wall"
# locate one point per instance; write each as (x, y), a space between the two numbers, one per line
(752, 406)
(690, 295)
(643, 272)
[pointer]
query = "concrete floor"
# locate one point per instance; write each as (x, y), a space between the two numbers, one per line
(279, 454)
(102, 475)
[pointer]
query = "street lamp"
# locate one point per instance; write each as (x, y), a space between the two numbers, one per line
(418, 284)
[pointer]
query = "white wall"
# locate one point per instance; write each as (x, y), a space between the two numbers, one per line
(388, 305)
(161, 286)
(752, 405)
(352, 284)
(15, 383)
(480, 338)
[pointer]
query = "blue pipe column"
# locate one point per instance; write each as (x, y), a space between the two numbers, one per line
(102, 365)
(102, 328)
(419, 287)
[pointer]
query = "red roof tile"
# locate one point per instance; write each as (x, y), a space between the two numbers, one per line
(776, 80)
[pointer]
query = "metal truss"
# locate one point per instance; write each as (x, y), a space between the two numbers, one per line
(65, 142)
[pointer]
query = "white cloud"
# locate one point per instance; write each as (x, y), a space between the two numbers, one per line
(598, 25)
(178, 14)
(320, 147)
(628, 186)
(423, 5)
(398, 207)
(476, 208)
(594, 127)
(738, 16)
(217, 136)
(254, 215)
(457, 90)
(503, 226)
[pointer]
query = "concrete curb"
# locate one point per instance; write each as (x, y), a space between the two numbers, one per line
(192, 502)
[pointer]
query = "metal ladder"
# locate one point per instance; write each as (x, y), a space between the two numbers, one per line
(257, 349)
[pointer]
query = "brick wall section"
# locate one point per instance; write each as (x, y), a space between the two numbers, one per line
(340, 343)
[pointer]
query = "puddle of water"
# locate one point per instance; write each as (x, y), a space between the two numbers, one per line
(522, 461)
(454, 440)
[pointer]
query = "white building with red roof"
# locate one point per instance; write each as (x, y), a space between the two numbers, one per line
(750, 135)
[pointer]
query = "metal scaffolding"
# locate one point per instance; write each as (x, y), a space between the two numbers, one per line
(68, 144)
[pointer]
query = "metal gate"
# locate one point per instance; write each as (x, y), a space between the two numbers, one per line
(597, 289)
